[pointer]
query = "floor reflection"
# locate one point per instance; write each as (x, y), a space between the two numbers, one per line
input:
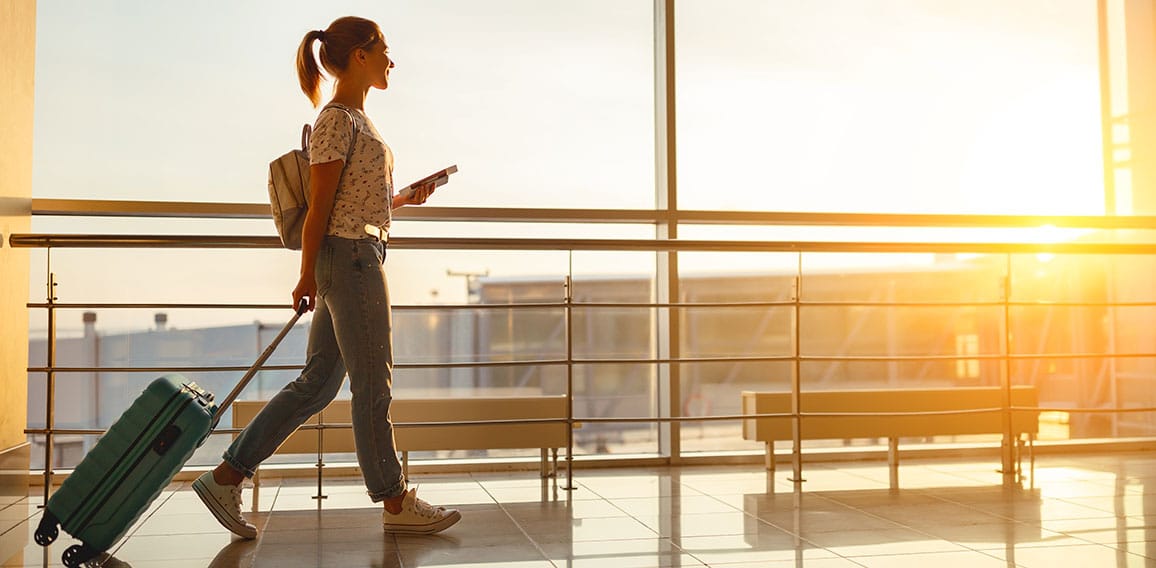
(1082, 511)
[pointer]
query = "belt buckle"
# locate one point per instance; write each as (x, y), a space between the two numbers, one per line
(376, 232)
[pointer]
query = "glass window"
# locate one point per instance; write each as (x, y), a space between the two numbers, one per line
(906, 106)
(540, 104)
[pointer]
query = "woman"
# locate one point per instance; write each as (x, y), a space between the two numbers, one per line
(342, 278)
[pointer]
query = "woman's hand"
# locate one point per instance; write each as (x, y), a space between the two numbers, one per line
(419, 195)
(306, 288)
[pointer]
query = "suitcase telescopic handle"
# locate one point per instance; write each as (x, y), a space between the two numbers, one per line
(302, 307)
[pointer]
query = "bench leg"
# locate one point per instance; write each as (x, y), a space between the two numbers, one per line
(771, 457)
(544, 465)
(893, 462)
(1032, 458)
(256, 489)
(1019, 457)
(554, 456)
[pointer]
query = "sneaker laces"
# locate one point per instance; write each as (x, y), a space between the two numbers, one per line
(235, 492)
(425, 509)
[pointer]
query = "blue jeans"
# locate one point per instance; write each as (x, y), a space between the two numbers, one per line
(351, 331)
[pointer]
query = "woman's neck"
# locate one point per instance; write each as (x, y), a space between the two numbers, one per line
(350, 95)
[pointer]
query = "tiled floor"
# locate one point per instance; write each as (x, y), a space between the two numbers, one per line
(1085, 511)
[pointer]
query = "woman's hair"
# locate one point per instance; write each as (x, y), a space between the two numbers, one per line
(338, 41)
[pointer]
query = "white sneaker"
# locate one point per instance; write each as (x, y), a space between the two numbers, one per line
(224, 501)
(419, 517)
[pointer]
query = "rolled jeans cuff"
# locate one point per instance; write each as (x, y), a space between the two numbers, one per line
(233, 463)
(396, 490)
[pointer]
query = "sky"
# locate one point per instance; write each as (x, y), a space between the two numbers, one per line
(906, 106)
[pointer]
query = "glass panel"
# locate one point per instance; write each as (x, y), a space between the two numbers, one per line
(1133, 384)
(1048, 319)
(899, 331)
(37, 391)
(896, 106)
(613, 333)
(737, 331)
(1049, 277)
(715, 389)
(711, 329)
(878, 375)
(464, 335)
(67, 451)
(874, 277)
(827, 232)
(46, 224)
(36, 457)
(38, 338)
(734, 276)
(876, 323)
(431, 277)
(615, 391)
(568, 88)
(175, 276)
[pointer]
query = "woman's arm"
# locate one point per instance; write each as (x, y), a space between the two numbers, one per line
(323, 179)
(419, 195)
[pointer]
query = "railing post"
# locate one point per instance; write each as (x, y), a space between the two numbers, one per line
(568, 313)
(1007, 449)
(50, 387)
(321, 458)
(797, 382)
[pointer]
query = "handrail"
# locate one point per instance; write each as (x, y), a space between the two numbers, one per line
(620, 361)
(129, 241)
(616, 305)
(652, 419)
(216, 210)
(41, 240)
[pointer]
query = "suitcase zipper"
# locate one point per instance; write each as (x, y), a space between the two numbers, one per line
(128, 452)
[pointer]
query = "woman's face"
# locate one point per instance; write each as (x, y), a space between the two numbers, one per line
(378, 64)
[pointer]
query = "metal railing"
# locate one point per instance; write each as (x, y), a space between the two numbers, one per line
(568, 305)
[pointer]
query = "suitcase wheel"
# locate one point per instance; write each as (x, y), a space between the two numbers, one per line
(47, 530)
(77, 554)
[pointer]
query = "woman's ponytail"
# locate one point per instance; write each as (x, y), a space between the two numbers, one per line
(308, 74)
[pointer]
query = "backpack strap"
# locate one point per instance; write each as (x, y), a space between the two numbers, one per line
(307, 131)
(352, 140)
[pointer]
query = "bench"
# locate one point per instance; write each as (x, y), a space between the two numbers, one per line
(544, 436)
(770, 430)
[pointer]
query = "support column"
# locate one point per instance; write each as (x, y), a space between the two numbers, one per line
(17, 68)
(1132, 102)
(1127, 30)
(17, 49)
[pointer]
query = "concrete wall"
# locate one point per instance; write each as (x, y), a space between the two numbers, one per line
(17, 57)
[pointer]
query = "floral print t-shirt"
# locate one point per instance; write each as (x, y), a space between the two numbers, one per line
(365, 192)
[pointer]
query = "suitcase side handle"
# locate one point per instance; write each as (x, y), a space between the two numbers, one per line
(302, 307)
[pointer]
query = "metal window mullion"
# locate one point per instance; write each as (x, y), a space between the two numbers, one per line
(1106, 136)
(667, 325)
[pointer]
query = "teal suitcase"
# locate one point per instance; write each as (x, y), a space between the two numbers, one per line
(134, 461)
(130, 465)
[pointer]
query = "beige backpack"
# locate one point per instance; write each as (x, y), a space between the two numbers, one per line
(289, 186)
